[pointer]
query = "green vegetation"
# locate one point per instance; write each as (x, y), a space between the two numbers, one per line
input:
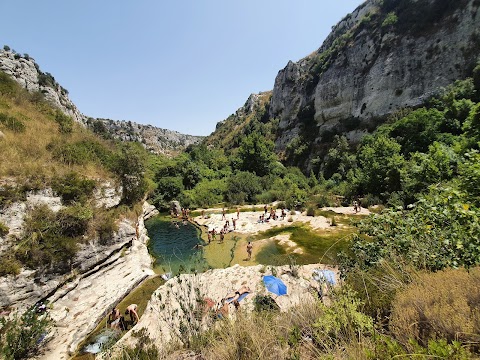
(318, 246)
(399, 265)
(43, 148)
(22, 335)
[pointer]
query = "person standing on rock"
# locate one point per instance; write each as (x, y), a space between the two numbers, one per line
(223, 214)
(238, 213)
(249, 250)
(132, 311)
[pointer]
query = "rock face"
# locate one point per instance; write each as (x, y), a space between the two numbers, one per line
(27, 73)
(78, 306)
(368, 68)
(178, 303)
(385, 55)
(103, 276)
(155, 140)
(28, 287)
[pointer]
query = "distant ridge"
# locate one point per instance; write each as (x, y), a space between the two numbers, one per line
(24, 70)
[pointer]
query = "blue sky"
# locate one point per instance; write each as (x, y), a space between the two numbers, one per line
(182, 65)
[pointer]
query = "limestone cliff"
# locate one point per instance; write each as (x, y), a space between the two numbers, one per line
(155, 140)
(385, 55)
(27, 73)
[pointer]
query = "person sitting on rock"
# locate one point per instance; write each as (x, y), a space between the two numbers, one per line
(132, 311)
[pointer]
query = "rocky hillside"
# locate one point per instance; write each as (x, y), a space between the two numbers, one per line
(155, 140)
(384, 56)
(27, 73)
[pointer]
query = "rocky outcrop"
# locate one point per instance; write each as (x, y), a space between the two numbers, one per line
(30, 286)
(368, 67)
(178, 303)
(27, 73)
(155, 140)
(101, 275)
(24, 70)
(79, 305)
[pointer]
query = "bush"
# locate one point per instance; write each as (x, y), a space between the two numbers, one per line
(73, 220)
(46, 241)
(104, 225)
(65, 122)
(265, 303)
(73, 188)
(12, 123)
(21, 337)
(341, 322)
(9, 266)
(439, 305)
(310, 211)
(3, 229)
(390, 19)
(10, 194)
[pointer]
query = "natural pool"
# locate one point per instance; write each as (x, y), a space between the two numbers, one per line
(176, 248)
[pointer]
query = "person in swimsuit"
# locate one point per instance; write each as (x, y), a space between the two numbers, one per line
(132, 311)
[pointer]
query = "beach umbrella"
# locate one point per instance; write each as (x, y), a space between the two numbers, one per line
(275, 285)
(324, 275)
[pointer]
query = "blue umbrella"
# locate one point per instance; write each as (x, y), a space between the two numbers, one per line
(275, 285)
(324, 275)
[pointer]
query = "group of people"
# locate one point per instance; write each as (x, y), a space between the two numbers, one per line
(272, 216)
(118, 322)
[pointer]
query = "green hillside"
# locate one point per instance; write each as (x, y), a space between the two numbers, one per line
(42, 148)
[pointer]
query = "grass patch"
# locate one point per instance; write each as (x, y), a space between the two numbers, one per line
(318, 246)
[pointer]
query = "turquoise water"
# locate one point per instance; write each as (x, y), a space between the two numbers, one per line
(174, 248)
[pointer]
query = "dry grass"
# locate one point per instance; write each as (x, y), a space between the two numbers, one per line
(439, 305)
(25, 154)
(263, 336)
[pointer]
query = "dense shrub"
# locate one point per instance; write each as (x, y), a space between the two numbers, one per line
(21, 337)
(342, 322)
(104, 225)
(65, 122)
(439, 305)
(12, 123)
(243, 187)
(9, 266)
(73, 221)
(46, 240)
(73, 188)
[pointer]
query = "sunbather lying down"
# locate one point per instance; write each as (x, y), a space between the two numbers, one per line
(238, 295)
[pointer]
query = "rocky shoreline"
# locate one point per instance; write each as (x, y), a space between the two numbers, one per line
(78, 306)
(175, 304)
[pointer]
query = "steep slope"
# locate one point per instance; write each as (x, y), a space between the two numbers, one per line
(24, 70)
(384, 56)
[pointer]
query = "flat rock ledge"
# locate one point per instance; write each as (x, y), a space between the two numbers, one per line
(80, 305)
(176, 303)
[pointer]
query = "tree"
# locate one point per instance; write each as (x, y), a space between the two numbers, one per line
(131, 169)
(256, 154)
(381, 164)
(339, 159)
(243, 187)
